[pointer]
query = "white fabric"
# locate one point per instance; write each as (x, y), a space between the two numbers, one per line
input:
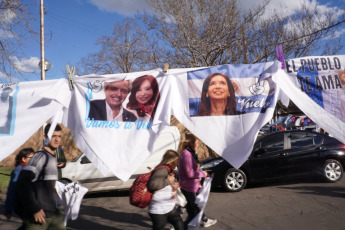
(323, 106)
(230, 136)
(162, 201)
(201, 201)
(3, 112)
(70, 196)
(180, 198)
(122, 148)
(34, 103)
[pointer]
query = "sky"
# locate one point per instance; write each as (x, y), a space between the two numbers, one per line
(72, 28)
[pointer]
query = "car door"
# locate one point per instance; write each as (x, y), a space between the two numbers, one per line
(268, 157)
(303, 152)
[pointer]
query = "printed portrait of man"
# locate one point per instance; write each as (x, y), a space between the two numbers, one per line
(111, 108)
(6, 105)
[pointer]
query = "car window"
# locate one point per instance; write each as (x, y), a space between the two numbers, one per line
(271, 143)
(318, 139)
(302, 139)
(85, 160)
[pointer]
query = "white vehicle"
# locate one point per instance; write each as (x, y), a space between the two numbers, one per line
(82, 170)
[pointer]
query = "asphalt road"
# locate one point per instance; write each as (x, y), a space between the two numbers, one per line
(299, 204)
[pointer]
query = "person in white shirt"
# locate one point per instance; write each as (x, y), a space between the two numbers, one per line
(164, 187)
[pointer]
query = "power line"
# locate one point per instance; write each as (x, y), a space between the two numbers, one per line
(78, 24)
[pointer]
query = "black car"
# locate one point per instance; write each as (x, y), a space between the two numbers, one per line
(280, 155)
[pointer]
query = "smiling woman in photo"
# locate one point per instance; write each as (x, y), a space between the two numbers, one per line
(217, 96)
(144, 97)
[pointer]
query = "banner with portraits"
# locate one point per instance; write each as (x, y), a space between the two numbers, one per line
(317, 86)
(117, 117)
(225, 106)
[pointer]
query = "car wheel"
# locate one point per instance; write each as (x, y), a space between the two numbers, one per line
(333, 171)
(234, 180)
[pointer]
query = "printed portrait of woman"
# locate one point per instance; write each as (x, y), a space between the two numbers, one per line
(217, 96)
(144, 97)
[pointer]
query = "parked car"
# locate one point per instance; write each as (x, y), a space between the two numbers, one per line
(280, 155)
(82, 170)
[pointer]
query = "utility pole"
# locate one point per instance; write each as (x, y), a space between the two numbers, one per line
(43, 67)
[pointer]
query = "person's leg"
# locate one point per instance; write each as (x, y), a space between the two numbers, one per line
(30, 224)
(191, 207)
(56, 222)
(175, 219)
(158, 221)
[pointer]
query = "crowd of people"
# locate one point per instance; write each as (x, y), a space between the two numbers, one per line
(164, 185)
(32, 196)
(31, 193)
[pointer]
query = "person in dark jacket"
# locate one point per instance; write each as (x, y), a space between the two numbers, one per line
(35, 200)
(111, 109)
(22, 158)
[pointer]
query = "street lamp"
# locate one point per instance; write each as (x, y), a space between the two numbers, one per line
(47, 64)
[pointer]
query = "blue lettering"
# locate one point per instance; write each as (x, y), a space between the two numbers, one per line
(128, 124)
(88, 122)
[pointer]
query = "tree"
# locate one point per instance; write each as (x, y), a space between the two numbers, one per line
(15, 16)
(194, 33)
(127, 50)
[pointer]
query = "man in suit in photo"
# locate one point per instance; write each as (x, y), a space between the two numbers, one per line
(111, 109)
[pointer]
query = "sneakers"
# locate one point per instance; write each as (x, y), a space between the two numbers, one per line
(209, 223)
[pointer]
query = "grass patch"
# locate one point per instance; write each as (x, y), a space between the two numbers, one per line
(5, 175)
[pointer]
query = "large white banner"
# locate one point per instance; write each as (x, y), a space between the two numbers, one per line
(25, 107)
(317, 86)
(117, 117)
(225, 106)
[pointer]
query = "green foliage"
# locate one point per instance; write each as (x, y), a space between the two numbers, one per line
(5, 174)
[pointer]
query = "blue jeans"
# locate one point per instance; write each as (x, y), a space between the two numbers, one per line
(160, 220)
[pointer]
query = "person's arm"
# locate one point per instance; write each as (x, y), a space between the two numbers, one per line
(186, 164)
(158, 180)
(62, 158)
(9, 202)
(25, 190)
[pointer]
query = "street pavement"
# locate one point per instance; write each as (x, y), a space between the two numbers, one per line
(293, 204)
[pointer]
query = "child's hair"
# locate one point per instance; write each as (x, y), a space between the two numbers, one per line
(169, 156)
(23, 153)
